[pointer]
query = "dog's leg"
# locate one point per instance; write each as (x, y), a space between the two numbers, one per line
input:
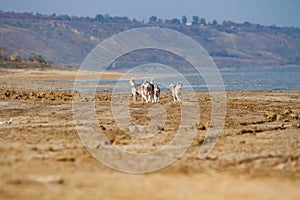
(174, 94)
(144, 97)
(135, 96)
(152, 97)
(179, 98)
(149, 97)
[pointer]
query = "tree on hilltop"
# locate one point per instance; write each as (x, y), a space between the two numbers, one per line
(202, 21)
(195, 20)
(175, 21)
(214, 22)
(152, 19)
(99, 18)
(37, 58)
(184, 20)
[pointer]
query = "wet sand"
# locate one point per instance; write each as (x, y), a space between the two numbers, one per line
(256, 156)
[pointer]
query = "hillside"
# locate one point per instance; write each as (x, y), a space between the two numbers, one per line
(66, 40)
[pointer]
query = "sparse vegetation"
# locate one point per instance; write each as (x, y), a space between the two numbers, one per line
(66, 40)
(37, 58)
(11, 59)
(25, 65)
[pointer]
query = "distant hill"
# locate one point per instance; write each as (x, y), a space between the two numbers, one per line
(66, 40)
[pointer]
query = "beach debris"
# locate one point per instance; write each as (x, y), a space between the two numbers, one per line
(41, 95)
(65, 159)
(6, 122)
(286, 116)
(160, 128)
(132, 129)
(294, 116)
(103, 98)
(102, 127)
(279, 117)
(286, 112)
(37, 180)
(48, 179)
(209, 125)
(271, 117)
(256, 130)
(201, 127)
(200, 142)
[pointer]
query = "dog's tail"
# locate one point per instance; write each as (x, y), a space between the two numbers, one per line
(171, 85)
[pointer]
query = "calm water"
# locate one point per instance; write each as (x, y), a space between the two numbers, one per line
(275, 79)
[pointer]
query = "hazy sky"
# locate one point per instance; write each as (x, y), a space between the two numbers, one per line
(266, 12)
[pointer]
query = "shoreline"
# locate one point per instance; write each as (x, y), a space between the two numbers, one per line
(65, 80)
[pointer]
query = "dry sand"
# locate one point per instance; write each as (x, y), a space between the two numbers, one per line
(42, 157)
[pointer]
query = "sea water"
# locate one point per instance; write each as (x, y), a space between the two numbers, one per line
(269, 79)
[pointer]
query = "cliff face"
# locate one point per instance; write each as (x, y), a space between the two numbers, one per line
(67, 42)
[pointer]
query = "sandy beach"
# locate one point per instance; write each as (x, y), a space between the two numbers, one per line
(257, 156)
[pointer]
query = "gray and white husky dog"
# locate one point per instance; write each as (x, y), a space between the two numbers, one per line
(156, 93)
(149, 91)
(145, 89)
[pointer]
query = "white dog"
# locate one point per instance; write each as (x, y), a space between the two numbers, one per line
(136, 89)
(177, 91)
